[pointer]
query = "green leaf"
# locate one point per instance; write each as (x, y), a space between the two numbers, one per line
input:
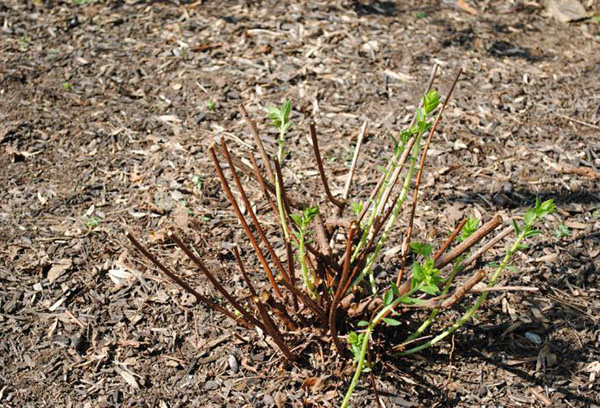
(516, 227)
(395, 290)
(418, 273)
(391, 322)
(405, 136)
(309, 213)
(421, 249)
(545, 208)
(407, 300)
(431, 100)
(430, 289)
(285, 110)
(532, 233)
(297, 218)
(287, 127)
(529, 216)
(395, 143)
(469, 228)
(388, 298)
(512, 268)
(363, 323)
(357, 208)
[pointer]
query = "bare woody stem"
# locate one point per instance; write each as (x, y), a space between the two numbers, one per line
(214, 281)
(462, 290)
(340, 290)
(488, 245)
(359, 141)
(261, 182)
(420, 172)
(247, 170)
(474, 238)
(272, 330)
(242, 220)
(258, 304)
(313, 135)
(450, 239)
(216, 307)
(460, 249)
(261, 148)
(375, 191)
(255, 221)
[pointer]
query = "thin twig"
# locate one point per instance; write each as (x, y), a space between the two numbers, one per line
(399, 165)
(340, 290)
(464, 246)
(281, 312)
(313, 135)
(420, 172)
(372, 378)
(505, 289)
(284, 196)
(242, 220)
(255, 221)
(263, 185)
(359, 141)
(273, 331)
(506, 231)
(184, 285)
(321, 235)
(450, 239)
(261, 148)
(381, 179)
(247, 170)
(214, 280)
(462, 290)
(581, 122)
(311, 304)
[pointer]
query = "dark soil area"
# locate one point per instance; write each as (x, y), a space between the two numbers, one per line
(106, 113)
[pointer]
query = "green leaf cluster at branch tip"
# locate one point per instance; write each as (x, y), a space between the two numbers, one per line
(280, 117)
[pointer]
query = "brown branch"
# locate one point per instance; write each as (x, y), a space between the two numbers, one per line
(240, 263)
(247, 170)
(281, 312)
(381, 179)
(488, 245)
(269, 327)
(216, 307)
(397, 170)
(284, 196)
(420, 172)
(359, 141)
(242, 220)
(272, 330)
(313, 135)
(263, 185)
(214, 281)
(255, 221)
(261, 148)
(450, 239)
(462, 290)
(333, 222)
(464, 246)
(340, 291)
(321, 235)
(308, 302)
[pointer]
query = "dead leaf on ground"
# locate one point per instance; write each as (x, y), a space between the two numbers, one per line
(60, 267)
(566, 11)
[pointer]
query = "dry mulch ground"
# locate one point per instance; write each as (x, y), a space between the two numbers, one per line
(105, 123)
